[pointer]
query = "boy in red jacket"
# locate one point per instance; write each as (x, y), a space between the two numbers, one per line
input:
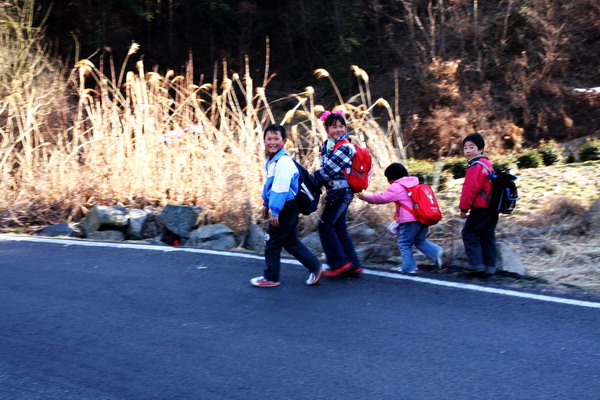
(478, 234)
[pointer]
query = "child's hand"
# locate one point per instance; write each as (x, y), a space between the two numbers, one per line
(264, 213)
(463, 214)
(274, 221)
(361, 196)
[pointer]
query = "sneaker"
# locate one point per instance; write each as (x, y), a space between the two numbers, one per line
(439, 260)
(313, 278)
(262, 282)
(330, 273)
(475, 272)
(411, 272)
(354, 272)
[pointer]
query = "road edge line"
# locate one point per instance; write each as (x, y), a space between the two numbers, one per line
(456, 285)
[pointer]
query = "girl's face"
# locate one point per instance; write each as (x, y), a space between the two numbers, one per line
(273, 142)
(470, 149)
(336, 130)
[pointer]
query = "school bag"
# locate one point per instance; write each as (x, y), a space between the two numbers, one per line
(359, 176)
(309, 192)
(504, 193)
(425, 206)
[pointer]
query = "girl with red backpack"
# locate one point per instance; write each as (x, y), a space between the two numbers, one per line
(410, 231)
(336, 242)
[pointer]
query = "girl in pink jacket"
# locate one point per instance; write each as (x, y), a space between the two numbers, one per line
(410, 231)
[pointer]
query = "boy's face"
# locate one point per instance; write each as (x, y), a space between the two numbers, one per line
(470, 149)
(274, 142)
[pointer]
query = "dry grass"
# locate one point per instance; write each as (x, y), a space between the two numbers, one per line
(549, 229)
(141, 138)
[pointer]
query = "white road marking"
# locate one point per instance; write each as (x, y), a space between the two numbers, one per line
(457, 285)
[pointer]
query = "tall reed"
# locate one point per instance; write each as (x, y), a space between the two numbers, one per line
(148, 139)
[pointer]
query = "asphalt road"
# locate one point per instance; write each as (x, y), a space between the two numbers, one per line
(80, 322)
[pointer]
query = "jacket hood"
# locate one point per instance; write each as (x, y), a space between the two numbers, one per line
(407, 181)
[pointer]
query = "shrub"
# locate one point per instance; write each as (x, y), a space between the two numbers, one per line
(559, 211)
(590, 150)
(425, 171)
(530, 159)
(503, 164)
(458, 167)
(550, 152)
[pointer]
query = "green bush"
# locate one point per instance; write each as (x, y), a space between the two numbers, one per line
(530, 159)
(550, 152)
(503, 164)
(425, 171)
(458, 167)
(590, 151)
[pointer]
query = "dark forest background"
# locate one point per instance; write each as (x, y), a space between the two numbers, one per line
(511, 66)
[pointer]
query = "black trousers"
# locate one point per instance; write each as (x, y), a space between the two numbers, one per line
(479, 238)
(286, 236)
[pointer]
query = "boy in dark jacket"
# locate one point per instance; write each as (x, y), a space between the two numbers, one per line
(478, 234)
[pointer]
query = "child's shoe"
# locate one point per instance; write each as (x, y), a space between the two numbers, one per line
(490, 270)
(313, 278)
(440, 259)
(262, 282)
(330, 273)
(411, 272)
(354, 272)
(477, 271)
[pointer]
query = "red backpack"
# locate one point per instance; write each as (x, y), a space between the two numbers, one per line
(362, 165)
(425, 206)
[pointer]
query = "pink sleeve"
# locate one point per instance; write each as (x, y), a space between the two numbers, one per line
(387, 196)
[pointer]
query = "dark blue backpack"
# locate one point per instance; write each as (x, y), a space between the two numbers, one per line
(309, 192)
(504, 193)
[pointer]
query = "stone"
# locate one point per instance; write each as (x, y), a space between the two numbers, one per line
(211, 232)
(107, 236)
(152, 227)
(313, 242)
(507, 260)
(136, 222)
(375, 253)
(213, 236)
(362, 233)
(65, 229)
(255, 239)
(104, 218)
(180, 220)
(220, 243)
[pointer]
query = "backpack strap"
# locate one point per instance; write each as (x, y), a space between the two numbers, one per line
(402, 205)
(407, 209)
(340, 143)
(490, 173)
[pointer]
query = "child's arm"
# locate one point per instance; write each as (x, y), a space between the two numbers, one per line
(339, 160)
(284, 171)
(387, 196)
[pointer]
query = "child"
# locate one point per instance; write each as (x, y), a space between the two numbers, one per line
(336, 241)
(410, 231)
(478, 234)
(279, 197)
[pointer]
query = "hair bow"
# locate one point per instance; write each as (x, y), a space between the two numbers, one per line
(327, 113)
